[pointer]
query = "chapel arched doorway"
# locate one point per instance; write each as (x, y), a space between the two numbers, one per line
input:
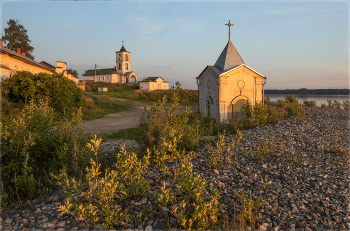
(238, 108)
(235, 110)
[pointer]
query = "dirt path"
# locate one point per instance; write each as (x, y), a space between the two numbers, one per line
(117, 121)
(114, 122)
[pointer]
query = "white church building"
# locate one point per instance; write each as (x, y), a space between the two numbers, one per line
(121, 73)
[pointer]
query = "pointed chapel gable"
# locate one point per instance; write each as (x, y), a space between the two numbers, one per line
(229, 58)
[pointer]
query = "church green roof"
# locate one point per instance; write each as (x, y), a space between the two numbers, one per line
(229, 58)
(107, 71)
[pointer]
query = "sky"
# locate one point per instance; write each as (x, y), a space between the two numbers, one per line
(300, 44)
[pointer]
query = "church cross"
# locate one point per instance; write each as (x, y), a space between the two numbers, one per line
(229, 24)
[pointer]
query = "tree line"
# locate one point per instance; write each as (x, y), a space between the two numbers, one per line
(305, 91)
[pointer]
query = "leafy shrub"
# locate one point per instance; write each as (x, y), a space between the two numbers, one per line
(259, 114)
(309, 103)
(130, 172)
(89, 105)
(220, 155)
(195, 212)
(281, 103)
(62, 94)
(262, 114)
(267, 100)
(99, 198)
(276, 113)
(35, 143)
(164, 197)
(162, 128)
(292, 106)
(249, 208)
(291, 99)
(261, 151)
(333, 104)
(346, 105)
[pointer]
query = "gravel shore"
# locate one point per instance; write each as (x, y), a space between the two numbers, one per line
(300, 168)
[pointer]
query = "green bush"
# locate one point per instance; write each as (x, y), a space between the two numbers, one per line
(35, 143)
(221, 155)
(291, 99)
(98, 198)
(346, 105)
(194, 211)
(333, 104)
(62, 94)
(162, 128)
(267, 100)
(309, 103)
(262, 114)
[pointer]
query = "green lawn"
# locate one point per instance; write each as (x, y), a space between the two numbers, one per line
(115, 94)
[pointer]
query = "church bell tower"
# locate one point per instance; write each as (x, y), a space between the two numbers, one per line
(122, 60)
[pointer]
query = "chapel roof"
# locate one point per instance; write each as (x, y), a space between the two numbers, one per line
(228, 58)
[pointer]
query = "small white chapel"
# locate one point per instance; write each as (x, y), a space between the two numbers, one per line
(223, 88)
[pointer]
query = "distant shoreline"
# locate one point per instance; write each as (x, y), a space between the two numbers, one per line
(304, 91)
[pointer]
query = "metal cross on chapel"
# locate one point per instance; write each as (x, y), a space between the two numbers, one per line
(229, 24)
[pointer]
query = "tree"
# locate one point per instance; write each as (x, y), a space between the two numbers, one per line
(16, 37)
(72, 72)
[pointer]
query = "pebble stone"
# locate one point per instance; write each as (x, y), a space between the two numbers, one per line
(299, 168)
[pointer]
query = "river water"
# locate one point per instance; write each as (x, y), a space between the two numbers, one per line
(318, 98)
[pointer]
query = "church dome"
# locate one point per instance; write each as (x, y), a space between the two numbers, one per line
(123, 48)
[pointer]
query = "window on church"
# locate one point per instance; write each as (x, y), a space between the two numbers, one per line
(119, 66)
(126, 57)
(126, 67)
(120, 57)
